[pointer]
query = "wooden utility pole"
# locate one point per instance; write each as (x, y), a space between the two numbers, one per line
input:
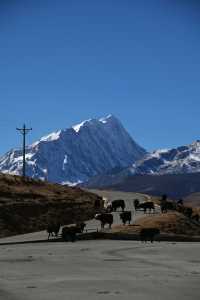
(24, 131)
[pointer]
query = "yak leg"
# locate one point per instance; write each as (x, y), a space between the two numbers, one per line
(50, 234)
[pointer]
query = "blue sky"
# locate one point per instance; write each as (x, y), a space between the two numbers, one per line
(65, 61)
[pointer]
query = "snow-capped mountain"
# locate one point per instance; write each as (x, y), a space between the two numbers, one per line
(185, 159)
(181, 160)
(75, 154)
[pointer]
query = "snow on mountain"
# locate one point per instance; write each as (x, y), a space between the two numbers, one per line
(51, 137)
(184, 159)
(75, 154)
(78, 126)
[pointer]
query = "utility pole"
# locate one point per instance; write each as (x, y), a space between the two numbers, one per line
(24, 131)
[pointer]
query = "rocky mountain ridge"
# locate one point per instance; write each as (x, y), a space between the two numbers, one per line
(74, 155)
(184, 159)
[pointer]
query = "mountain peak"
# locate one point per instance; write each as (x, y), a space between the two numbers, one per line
(196, 144)
(108, 118)
(77, 127)
(104, 120)
(73, 155)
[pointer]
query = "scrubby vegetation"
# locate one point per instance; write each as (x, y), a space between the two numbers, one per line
(28, 205)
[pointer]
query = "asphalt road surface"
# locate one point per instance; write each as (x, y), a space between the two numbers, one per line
(103, 269)
(99, 269)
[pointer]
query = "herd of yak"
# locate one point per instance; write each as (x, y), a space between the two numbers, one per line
(70, 232)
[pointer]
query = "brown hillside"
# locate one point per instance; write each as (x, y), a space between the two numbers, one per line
(193, 200)
(27, 205)
(172, 222)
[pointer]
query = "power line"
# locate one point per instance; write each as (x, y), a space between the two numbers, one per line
(24, 131)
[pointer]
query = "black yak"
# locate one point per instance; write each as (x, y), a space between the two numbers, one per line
(148, 234)
(136, 202)
(188, 211)
(118, 204)
(166, 205)
(69, 232)
(53, 229)
(144, 206)
(126, 217)
(104, 218)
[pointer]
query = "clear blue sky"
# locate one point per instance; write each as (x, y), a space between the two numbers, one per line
(68, 60)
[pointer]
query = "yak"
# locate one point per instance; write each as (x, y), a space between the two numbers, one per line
(167, 205)
(136, 202)
(126, 217)
(148, 234)
(53, 229)
(118, 204)
(144, 205)
(104, 218)
(188, 211)
(69, 232)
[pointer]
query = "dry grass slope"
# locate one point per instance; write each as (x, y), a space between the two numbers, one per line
(27, 205)
(171, 223)
(193, 200)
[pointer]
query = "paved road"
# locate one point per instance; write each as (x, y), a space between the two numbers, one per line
(97, 270)
(128, 198)
(100, 269)
(92, 225)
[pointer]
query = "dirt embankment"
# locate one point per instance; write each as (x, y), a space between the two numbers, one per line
(169, 223)
(27, 205)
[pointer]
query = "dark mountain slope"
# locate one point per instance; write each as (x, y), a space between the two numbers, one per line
(174, 185)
